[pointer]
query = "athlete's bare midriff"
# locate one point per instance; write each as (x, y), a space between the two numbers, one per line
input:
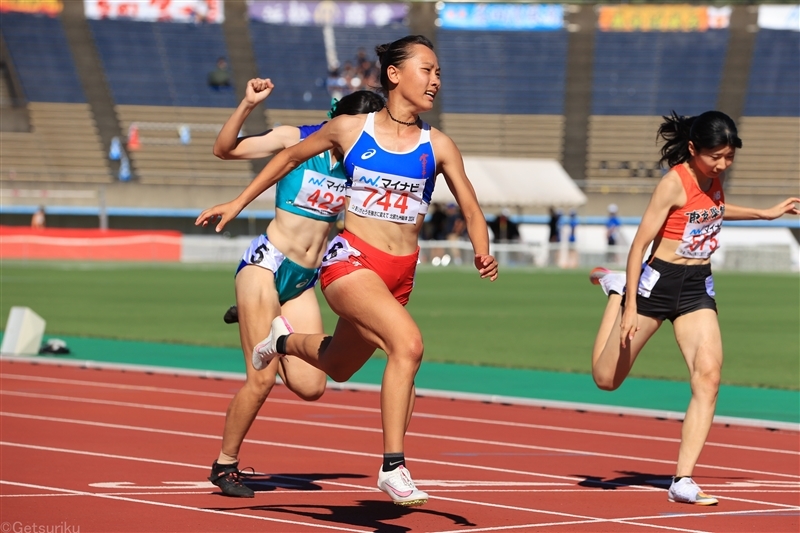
(390, 237)
(665, 249)
(301, 239)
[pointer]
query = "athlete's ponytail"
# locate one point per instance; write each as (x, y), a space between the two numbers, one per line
(396, 53)
(705, 131)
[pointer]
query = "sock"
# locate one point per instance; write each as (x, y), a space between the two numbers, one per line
(225, 459)
(677, 478)
(280, 345)
(393, 460)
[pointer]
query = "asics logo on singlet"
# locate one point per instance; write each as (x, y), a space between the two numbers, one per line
(369, 153)
(717, 195)
(301, 284)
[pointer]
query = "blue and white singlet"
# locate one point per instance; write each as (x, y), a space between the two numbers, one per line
(388, 185)
(316, 188)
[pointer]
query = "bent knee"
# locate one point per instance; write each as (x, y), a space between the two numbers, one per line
(260, 383)
(340, 375)
(603, 382)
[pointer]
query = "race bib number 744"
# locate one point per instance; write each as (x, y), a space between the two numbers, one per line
(386, 196)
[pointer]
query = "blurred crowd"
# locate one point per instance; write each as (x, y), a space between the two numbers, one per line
(357, 74)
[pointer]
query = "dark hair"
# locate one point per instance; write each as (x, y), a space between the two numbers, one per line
(396, 53)
(358, 103)
(708, 130)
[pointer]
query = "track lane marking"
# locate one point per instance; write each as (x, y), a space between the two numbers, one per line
(176, 506)
(525, 425)
(350, 427)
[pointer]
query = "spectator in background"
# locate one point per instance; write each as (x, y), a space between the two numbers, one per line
(455, 228)
(38, 219)
(504, 229)
(437, 222)
(220, 77)
(554, 225)
(612, 233)
(572, 260)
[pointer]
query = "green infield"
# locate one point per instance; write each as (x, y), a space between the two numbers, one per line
(537, 319)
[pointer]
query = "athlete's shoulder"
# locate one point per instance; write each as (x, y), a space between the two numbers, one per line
(670, 188)
(442, 144)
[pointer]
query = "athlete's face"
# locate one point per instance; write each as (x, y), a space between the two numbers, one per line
(711, 162)
(418, 77)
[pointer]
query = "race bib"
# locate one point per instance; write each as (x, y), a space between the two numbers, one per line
(321, 194)
(339, 250)
(386, 196)
(699, 240)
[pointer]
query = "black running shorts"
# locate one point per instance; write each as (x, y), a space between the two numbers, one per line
(667, 291)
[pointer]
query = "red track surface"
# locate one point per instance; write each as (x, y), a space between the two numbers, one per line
(112, 451)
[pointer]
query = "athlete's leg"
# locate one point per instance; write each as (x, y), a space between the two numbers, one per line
(700, 341)
(369, 311)
(257, 303)
(301, 378)
(611, 363)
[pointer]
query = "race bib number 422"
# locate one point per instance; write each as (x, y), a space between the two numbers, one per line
(386, 196)
(321, 194)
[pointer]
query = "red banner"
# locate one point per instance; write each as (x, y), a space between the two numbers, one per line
(46, 7)
(62, 244)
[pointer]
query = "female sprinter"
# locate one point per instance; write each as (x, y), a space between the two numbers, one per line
(391, 159)
(682, 221)
(278, 269)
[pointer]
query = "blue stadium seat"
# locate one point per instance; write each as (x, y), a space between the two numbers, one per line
(293, 57)
(774, 87)
(42, 58)
(161, 63)
(653, 73)
(503, 72)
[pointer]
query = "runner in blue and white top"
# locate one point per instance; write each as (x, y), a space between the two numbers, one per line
(279, 267)
(368, 270)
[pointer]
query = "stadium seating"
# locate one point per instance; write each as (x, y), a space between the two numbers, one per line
(652, 73)
(774, 88)
(42, 58)
(163, 159)
(622, 154)
(293, 57)
(538, 136)
(769, 161)
(63, 147)
(161, 63)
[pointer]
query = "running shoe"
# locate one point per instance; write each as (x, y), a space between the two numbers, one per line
(231, 315)
(400, 487)
(266, 350)
(687, 491)
(228, 479)
(609, 280)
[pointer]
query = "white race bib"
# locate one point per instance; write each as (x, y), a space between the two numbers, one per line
(321, 194)
(699, 240)
(386, 196)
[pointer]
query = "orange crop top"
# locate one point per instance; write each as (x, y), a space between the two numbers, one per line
(698, 222)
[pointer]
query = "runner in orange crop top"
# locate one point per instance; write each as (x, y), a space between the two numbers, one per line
(682, 222)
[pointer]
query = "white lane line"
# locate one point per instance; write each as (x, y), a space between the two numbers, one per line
(585, 519)
(176, 506)
(416, 414)
(351, 427)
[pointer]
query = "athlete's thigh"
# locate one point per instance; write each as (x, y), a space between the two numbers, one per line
(363, 299)
(625, 357)
(303, 314)
(699, 338)
(257, 304)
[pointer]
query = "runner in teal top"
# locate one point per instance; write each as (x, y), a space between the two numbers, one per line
(278, 269)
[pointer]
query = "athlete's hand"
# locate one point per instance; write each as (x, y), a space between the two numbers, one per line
(787, 207)
(257, 90)
(486, 265)
(222, 212)
(628, 326)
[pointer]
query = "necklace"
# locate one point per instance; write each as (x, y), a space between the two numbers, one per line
(400, 121)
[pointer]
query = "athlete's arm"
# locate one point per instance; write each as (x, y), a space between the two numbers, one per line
(229, 145)
(451, 165)
(787, 207)
(272, 173)
(667, 195)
